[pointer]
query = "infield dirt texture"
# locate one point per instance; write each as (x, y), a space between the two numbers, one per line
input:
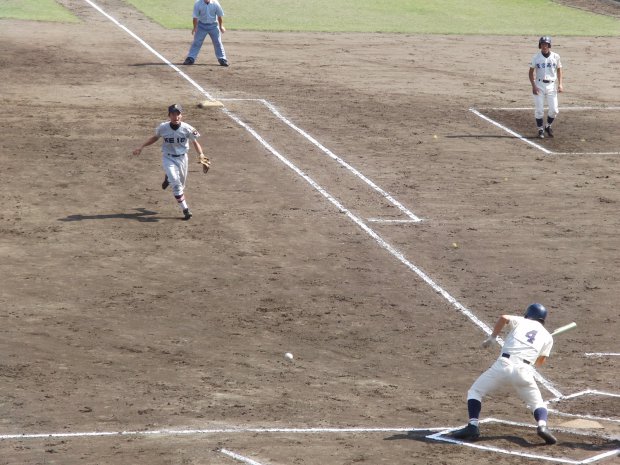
(118, 316)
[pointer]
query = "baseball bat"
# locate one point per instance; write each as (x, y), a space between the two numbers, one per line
(563, 329)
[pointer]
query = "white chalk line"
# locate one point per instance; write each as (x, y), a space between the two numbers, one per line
(585, 392)
(602, 354)
(538, 146)
(272, 108)
(510, 131)
(385, 220)
(238, 457)
(440, 437)
(212, 431)
(582, 416)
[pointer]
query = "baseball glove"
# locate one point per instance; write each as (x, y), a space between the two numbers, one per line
(205, 162)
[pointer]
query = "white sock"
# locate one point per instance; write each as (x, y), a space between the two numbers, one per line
(183, 204)
(473, 421)
(542, 423)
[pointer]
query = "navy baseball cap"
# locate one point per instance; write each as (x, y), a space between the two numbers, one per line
(175, 108)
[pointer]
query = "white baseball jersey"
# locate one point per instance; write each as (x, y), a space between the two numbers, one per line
(527, 339)
(546, 69)
(207, 12)
(176, 142)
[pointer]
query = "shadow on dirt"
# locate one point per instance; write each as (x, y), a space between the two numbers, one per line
(142, 215)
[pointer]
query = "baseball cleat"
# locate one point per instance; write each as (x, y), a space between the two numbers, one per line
(223, 62)
(165, 184)
(541, 133)
(549, 131)
(469, 432)
(187, 214)
(188, 61)
(544, 433)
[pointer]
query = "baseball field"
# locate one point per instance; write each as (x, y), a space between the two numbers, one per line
(375, 202)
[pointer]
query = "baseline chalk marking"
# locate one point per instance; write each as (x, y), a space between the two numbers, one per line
(239, 458)
(602, 354)
(272, 108)
(212, 431)
(384, 244)
(538, 146)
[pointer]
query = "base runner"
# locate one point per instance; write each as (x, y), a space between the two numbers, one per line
(545, 73)
(527, 345)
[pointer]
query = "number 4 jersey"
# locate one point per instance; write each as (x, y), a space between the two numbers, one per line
(527, 339)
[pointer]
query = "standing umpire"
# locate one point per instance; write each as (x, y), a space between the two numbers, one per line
(207, 19)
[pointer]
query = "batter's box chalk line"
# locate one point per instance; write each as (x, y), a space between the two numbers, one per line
(441, 436)
(587, 392)
(531, 142)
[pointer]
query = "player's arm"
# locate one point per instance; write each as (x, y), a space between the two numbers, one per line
(195, 24)
(560, 79)
(539, 361)
(533, 82)
(149, 141)
(220, 21)
(197, 147)
(499, 325)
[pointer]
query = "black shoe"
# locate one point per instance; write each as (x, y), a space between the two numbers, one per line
(223, 62)
(469, 432)
(187, 214)
(541, 133)
(165, 184)
(544, 433)
(549, 131)
(188, 61)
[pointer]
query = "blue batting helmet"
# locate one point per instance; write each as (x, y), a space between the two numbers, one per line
(544, 40)
(536, 312)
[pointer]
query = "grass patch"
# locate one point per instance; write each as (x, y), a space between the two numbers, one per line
(35, 10)
(493, 17)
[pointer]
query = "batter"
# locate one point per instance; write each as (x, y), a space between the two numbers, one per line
(176, 136)
(545, 73)
(527, 345)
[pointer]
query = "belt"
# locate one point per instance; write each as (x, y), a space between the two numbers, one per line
(505, 355)
(546, 81)
(175, 155)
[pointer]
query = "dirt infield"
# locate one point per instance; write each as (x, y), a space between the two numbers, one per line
(118, 316)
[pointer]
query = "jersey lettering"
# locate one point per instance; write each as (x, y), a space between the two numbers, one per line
(531, 335)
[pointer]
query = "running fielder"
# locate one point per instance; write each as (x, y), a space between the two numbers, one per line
(527, 345)
(545, 71)
(177, 135)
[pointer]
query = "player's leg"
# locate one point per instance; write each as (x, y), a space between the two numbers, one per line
(487, 382)
(539, 112)
(553, 110)
(194, 49)
(218, 46)
(173, 169)
(527, 389)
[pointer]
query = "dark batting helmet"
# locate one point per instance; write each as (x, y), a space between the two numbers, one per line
(544, 40)
(536, 312)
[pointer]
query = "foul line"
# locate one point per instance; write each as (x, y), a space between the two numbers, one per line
(510, 131)
(182, 432)
(533, 144)
(398, 255)
(602, 354)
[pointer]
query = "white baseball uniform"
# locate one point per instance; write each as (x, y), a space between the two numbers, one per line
(174, 154)
(545, 77)
(526, 341)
